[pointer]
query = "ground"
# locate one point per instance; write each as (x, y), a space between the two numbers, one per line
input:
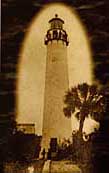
(61, 167)
(41, 166)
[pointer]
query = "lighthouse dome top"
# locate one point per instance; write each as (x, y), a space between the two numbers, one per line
(56, 22)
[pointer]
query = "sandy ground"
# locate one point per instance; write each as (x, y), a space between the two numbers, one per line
(64, 167)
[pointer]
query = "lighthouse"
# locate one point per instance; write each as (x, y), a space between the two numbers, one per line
(55, 124)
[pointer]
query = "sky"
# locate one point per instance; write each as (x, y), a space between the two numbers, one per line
(32, 63)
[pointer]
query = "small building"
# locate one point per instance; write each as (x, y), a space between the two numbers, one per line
(27, 128)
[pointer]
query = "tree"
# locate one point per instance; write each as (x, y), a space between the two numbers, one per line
(85, 100)
(7, 129)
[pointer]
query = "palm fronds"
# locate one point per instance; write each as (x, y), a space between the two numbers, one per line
(87, 99)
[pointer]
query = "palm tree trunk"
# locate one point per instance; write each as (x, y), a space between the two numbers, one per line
(80, 138)
(81, 124)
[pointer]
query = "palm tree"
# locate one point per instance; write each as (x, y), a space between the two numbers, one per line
(85, 100)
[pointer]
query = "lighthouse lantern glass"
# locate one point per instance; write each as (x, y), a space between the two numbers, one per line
(56, 24)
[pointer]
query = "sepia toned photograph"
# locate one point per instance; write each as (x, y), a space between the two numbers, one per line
(54, 79)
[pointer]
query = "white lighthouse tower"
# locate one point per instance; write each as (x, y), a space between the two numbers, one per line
(55, 124)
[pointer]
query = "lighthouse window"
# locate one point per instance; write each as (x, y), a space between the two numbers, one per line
(59, 34)
(49, 36)
(65, 36)
(53, 24)
(59, 24)
(53, 59)
(55, 34)
(56, 24)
